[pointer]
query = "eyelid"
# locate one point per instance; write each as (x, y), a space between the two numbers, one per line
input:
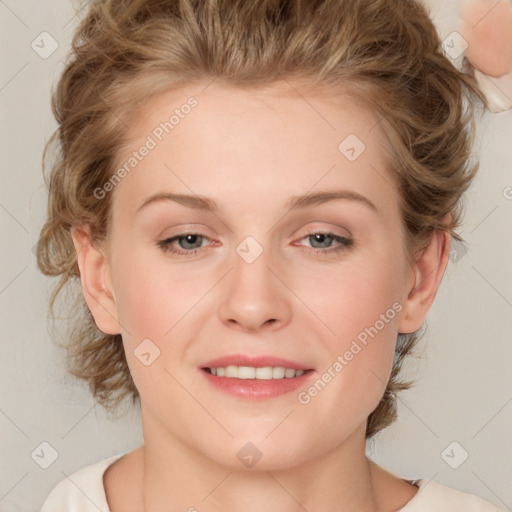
(325, 232)
(328, 227)
(183, 234)
(184, 229)
(342, 241)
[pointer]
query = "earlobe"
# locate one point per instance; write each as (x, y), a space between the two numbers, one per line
(428, 270)
(95, 280)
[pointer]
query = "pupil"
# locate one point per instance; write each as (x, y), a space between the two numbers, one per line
(321, 238)
(189, 239)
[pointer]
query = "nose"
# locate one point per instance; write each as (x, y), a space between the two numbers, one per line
(255, 298)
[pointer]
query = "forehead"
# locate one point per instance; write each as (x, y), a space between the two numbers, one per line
(273, 141)
(301, 110)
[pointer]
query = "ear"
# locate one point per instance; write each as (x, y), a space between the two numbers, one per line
(427, 273)
(96, 283)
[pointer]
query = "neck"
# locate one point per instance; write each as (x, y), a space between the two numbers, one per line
(177, 477)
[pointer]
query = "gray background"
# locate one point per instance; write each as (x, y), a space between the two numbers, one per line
(464, 391)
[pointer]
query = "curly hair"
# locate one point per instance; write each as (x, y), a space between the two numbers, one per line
(383, 53)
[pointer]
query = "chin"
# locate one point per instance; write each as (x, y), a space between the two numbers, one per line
(258, 454)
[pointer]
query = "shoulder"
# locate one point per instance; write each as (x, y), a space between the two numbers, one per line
(433, 496)
(82, 491)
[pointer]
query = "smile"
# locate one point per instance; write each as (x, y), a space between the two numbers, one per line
(251, 372)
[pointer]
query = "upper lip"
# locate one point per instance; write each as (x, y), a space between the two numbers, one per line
(253, 361)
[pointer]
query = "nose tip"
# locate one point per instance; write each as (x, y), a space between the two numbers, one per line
(254, 298)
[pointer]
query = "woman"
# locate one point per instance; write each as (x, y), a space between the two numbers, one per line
(257, 199)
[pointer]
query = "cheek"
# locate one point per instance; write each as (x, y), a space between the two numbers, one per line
(354, 297)
(140, 303)
(361, 307)
(149, 309)
(152, 293)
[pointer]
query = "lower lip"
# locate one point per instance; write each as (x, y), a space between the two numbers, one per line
(256, 388)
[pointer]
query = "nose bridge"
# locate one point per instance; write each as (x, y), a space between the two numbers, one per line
(254, 297)
(251, 264)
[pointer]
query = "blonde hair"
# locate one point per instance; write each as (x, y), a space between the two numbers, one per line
(383, 53)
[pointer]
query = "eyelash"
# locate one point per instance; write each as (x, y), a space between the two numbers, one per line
(344, 242)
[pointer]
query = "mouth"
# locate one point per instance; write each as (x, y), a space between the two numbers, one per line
(255, 377)
(255, 373)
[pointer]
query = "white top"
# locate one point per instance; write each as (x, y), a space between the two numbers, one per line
(83, 491)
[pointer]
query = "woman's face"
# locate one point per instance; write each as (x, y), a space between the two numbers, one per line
(319, 283)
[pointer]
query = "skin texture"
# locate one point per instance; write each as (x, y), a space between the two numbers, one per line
(487, 28)
(250, 151)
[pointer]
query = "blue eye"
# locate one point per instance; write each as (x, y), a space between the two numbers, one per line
(342, 243)
(190, 243)
(190, 239)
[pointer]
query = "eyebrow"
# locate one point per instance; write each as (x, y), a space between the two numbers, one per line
(297, 202)
(294, 203)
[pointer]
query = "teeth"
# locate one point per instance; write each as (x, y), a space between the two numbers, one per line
(249, 372)
(243, 372)
(278, 372)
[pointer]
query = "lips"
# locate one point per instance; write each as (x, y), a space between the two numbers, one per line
(253, 361)
(264, 385)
